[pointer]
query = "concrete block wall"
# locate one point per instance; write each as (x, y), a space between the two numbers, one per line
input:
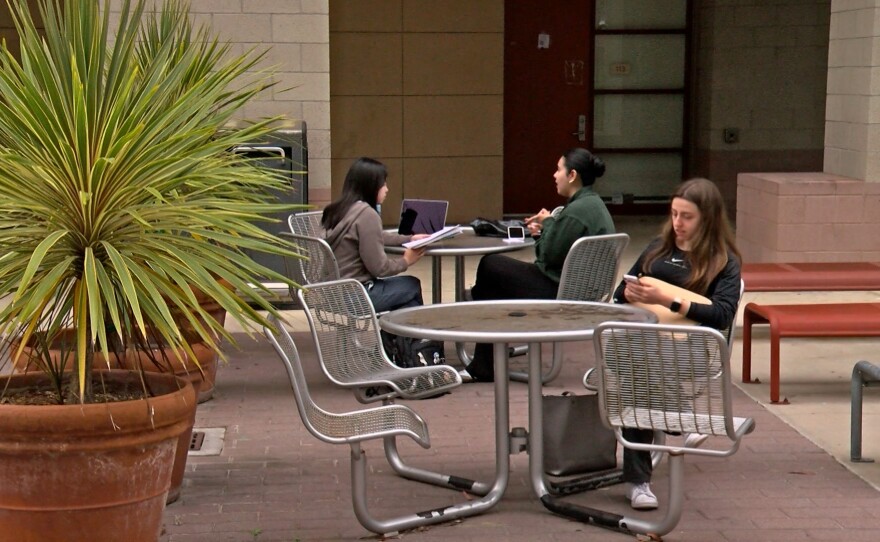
(295, 34)
(807, 217)
(762, 69)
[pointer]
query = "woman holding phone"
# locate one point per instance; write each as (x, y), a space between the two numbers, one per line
(502, 277)
(695, 251)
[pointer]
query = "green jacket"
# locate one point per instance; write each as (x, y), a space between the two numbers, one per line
(584, 214)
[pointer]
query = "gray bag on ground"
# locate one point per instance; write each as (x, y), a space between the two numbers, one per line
(575, 440)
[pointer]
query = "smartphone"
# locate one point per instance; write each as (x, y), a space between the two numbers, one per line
(516, 233)
(631, 278)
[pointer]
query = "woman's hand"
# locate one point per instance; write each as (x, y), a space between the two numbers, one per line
(538, 218)
(646, 293)
(417, 236)
(535, 223)
(412, 255)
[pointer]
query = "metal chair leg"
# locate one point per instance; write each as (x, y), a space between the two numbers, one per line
(626, 524)
(864, 374)
(417, 519)
(430, 477)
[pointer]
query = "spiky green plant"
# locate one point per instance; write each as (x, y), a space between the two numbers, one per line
(119, 190)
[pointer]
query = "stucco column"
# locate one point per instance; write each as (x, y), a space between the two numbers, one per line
(852, 113)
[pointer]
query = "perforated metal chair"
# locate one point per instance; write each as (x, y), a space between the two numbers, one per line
(319, 264)
(346, 332)
(350, 353)
(589, 273)
(674, 379)
(383, 422)
(590, 377)
(307, 223)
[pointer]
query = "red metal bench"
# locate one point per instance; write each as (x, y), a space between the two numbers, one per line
(810, 320)
(814, 276)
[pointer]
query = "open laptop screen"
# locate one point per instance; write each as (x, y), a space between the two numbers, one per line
(422, 216)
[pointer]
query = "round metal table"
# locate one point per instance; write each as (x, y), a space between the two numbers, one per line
(502, 323)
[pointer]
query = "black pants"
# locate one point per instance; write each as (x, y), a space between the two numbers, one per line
(500, 277)
(637, 467)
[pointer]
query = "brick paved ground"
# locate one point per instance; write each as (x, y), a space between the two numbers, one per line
(274, 482)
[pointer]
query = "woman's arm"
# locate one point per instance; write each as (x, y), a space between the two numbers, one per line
(371, 248)
(636, 270)
(724, 294)
(557, 236)
(393, 239)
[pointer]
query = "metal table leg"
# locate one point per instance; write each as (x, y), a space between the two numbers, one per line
(459, 278)
(436, 280)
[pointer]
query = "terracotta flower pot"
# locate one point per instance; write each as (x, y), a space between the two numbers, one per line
(81, 473)
(181, 453)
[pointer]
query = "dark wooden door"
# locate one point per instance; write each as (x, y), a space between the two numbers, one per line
(547, 89)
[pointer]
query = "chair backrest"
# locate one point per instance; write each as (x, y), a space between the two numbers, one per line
(347, 427)
(308, 224)
(345, 330)
(319, 264)
(665, 378)
(589, 272)
(317, 421)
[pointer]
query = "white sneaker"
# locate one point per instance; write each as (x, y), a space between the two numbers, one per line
(641, 497)
(695, 440)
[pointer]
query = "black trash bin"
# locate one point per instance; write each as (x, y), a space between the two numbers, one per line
(285, 149)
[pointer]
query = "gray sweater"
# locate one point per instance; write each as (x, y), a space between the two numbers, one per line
(358, 242)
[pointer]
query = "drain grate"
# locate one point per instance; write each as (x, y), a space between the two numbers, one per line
(207, 441)
(198, 438)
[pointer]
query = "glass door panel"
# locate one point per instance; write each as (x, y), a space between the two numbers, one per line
(640, 98)
(651, 176)
(647, 14)
(639, 62)
(640, 121)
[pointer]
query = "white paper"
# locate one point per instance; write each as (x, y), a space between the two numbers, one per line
(445, 233)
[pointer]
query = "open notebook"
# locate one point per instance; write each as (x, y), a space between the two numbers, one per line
(422, 216)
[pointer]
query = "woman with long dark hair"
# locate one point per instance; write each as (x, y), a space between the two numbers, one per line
(696, 250)
(502, 277)
(353, 229)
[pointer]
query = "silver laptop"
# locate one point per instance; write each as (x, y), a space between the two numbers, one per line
(422, 216)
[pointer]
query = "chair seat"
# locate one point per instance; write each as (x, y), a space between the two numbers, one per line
(370, 424)
(409, 383)
(675, 422)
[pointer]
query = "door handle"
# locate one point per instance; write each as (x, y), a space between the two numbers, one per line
(582, 128)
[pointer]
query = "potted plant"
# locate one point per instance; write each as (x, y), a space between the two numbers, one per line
(120, 197)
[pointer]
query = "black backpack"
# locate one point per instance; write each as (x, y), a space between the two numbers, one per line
(408, 352)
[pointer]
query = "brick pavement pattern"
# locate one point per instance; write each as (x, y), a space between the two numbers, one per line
(274, 482)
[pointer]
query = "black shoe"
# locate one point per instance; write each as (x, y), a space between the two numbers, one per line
(481, 368)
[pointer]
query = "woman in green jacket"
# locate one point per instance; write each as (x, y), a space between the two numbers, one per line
(502, 277)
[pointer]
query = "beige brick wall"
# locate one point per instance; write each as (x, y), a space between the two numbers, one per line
(295, 34)
(807, 217)
(418, 84)
(852, 139)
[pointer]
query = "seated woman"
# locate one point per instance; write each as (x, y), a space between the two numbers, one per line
(353, 229)
(696, 251)
(502, 277)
